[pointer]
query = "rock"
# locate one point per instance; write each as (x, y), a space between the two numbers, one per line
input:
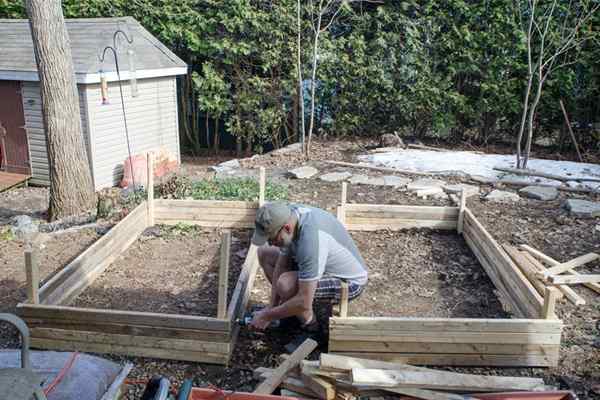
(390, 140)
(470, 190)
(425, 183)
(152, 231)
(483, 179)
(23, 227)
(395, 181)
(303, 172)
(292, 148)
(366, 180)
(335, 176)
(235, 163)
(501, 196)
(539, 192)
(583, 208)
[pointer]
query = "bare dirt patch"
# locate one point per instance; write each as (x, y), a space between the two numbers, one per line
(423, 273)
(168, 271)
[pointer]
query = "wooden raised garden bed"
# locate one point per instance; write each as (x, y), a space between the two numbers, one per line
(532, 338)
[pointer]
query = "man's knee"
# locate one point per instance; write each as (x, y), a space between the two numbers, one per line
(287, 285)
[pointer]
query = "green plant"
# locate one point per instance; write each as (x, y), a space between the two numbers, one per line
(176, 187)
(179, 229)
(244, 189)
(6, 234)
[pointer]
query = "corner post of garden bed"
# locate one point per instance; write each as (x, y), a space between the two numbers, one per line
(33, 275)
(341, 211)
(223, 274)
(551, 294)
(262, 183)
(150, 188)
(461, 212)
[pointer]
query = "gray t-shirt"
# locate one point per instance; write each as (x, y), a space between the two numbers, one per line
(323, 247)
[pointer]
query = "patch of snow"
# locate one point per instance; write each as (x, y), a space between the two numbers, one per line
(466, 162)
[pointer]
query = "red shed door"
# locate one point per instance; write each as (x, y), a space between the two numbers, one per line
(14, 152)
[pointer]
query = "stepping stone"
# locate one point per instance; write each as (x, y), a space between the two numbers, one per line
(470, 190)
(366, 180)
(501, 196)
(583, 208)
(395, 181)
(303, 172)
(539, 192)
(335, 176)
(483, 179)
(425, 183)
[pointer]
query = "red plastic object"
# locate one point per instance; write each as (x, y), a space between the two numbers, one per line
(212, 394)
(552, 395)
(134, 169)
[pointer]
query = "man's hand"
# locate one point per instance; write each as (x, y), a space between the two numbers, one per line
(260, 320)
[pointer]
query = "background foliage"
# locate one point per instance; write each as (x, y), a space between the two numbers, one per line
(453, 69)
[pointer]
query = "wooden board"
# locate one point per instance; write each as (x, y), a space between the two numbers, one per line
(209, 224)
(363, 224)
(402, 212)
(473, 360)
(9, 180)
(508, 276)
(82, 271)
(447, 348)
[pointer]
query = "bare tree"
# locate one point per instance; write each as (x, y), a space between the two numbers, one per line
(300, 83)
(554, 31)
(71, 188)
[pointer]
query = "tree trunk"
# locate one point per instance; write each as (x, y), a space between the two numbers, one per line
(217, 138)
(207, 133)
(300, 86)
(71, 187)
(238, 146)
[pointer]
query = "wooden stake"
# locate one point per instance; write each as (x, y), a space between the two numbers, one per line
(341, 212)
(271, 383)
(262, 183)
(461, 212)
(33, 276)
(563, 267)
(573, 279)
(344, 300)
(562, 107)
(550, 296)
(150, 188)
(223, 274)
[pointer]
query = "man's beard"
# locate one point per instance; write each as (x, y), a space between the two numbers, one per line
(286, 239)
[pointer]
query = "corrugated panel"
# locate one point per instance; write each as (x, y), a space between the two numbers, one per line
(151, 120)
(34, 125)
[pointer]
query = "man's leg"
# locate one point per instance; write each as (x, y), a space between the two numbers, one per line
(267, 258)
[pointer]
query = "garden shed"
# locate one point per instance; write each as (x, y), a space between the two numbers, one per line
(150, 100)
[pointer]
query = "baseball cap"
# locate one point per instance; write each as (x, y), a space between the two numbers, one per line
(270, 218)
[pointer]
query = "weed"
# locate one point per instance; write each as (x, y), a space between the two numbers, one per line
(6, 234)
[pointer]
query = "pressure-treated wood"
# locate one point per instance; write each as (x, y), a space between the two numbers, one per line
(150, 188)
(341, 210)
(271, 383)
(565, 290)
(223, 275)
(262, 183)
(344, 300)
(528, 269)
(321, 387)
(209, 213)
(550, 296)
(442, 380)
(32, 273)
(461, 212)
(552, 262)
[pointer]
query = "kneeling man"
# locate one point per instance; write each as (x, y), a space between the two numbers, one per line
(309, 254)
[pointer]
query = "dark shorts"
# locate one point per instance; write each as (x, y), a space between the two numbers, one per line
(330, 288)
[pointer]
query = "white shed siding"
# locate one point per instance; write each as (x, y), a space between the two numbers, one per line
(151, 121)
(34, 125)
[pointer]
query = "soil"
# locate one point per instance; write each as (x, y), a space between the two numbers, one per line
(168, 270)
(543, 225)
(423, 273)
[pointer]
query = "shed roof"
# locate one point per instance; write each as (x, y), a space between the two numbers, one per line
(89, 37)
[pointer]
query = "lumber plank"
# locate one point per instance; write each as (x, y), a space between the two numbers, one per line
(573, 279)
(473, 360)
(321, 387)
(203, 204)
(170, 354)
(336, 362)
(83, 315)
(271, 383)
(536, 254)
(427, 212)
(434, 215)
(94, 254)
(550, 297)
(241, 292)
(223, 275)
(344, 300)
(82, 271)
(442, 380)
(150, 188)
(461, 212)
(528, 269)
(32, 273)
(563, 267)
(364, 224)
(297, 385)
(447, 348)
(489, 266)
(514, 280)
(205, 223)
(133, 330)
(130, 340)
(205, 216)
(446, 324)
(565, 290)
(262, 183)
(445, 337)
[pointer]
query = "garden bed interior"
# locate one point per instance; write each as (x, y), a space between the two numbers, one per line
(531, 338)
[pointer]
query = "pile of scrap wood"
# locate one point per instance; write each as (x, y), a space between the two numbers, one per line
(543, 271)
(340, 377)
